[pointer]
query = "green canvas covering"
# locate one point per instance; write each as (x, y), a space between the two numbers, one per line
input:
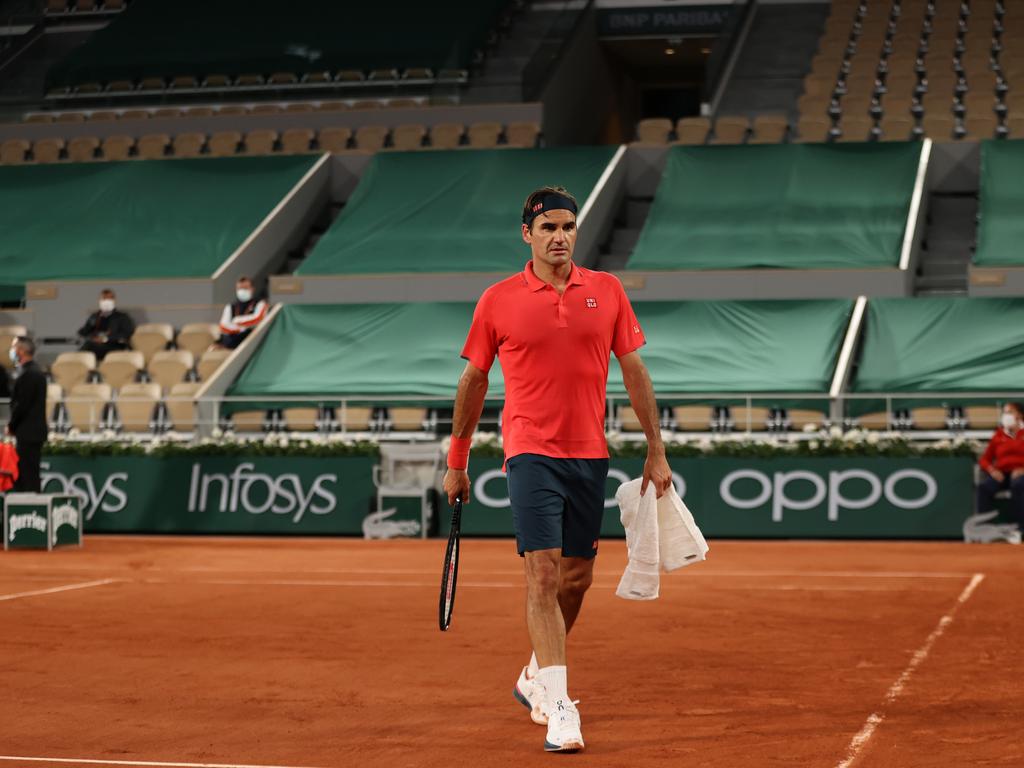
(785, 206)
(1001, 200)
(412, 349)
(232, 37)
(137, 219)
(453, 211)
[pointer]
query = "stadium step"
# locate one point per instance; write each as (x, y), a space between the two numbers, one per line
(950, 232)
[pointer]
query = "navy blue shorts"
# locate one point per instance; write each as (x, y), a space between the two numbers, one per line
(557, 503)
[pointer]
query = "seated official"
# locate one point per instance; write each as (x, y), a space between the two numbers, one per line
(108, 329)
(1003, 463)
(242, 315)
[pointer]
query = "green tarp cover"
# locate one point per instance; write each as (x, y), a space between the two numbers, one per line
(1001, 200)
(942, 345)
(232, 37)
(453, 211)
(138, 219)
(787, 206)
(413, 349)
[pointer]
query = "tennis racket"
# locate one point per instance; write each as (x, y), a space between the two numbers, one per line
(450, 573)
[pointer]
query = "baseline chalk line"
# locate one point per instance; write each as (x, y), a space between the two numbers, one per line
(93, 761)
(63, 588)
(876, 718)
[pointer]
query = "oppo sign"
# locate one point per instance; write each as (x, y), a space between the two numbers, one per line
(908, 489)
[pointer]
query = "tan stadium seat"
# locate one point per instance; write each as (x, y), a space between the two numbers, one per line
(120, 368)
(153, 145)
(224, 143)
(692, 418)
(878, 421)
(70, 117)
(418, 73)
(86, 404)
(692, 130)
(165, 112)
(250, 79)
(819, 86)
(199, 112)
(332, 106)
(216, 81)
(266, 109)
(1015, 126)
(523, 134)
(446, 135)
(334, 139)
(117, 147)
(982, 416)
(980, 127)
(384, 73)
(181, 405)
(979, 103)
(367, 104)
(813, 129)
(14, 151)
(654, 130)
(408, 137)
(301, 419)
(248, 421)
(628, 421)
(260, 141)
(354, 418)
(283, 78)
(317, 77)
(484, 135)
(298, 107)
(233, 109)
(813, 106)
(755, 416)
(899, 85)
(170, 367)
(296, 141)
(211, 360)
(152, 84)
(72, 368)
(856, 128)
(769, 129)
(54, 397)
(102, 116)
(349, 76)
(938, 127)
(150, 338)
(47, 150)
(39, 117)
(800, 418)
(197, 338)
(8, 333)
(83, 148)
(929, 418)
(136, 404)
(407, 419)
(135, 114)
(183, 81)
(189, 144)
(896, 128)
(730, 130)
(371, 137)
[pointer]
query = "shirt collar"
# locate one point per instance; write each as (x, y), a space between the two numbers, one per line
(534, 283)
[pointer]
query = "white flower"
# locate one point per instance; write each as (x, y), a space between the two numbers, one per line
(835, 432)
(216, 433)
(705, 444)
(73, 432)
(813, 445)
(873, 438)
(810, 427)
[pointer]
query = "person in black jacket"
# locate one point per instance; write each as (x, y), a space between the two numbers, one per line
(28, 415)
(108, 329)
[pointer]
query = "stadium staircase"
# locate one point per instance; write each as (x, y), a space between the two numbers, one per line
(629, 221)
(948, 241)
(316, 231)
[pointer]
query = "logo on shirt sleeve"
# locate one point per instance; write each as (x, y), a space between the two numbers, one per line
(591, 303)
(636, 329)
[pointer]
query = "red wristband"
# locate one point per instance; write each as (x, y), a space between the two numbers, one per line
(458, 452)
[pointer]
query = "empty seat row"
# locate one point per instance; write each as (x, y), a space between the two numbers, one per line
(119, 369)
(765, 129)
(139, 407)
(367, 138)
(84, 6)
(222, 110)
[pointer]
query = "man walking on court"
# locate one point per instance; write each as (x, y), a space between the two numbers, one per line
(554, 325)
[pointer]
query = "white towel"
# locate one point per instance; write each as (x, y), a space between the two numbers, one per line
(660, 535)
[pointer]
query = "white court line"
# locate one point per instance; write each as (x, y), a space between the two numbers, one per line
(64, 588)
(876, 718)
(137, 762)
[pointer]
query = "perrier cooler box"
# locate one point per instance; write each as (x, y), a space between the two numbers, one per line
(41, 520)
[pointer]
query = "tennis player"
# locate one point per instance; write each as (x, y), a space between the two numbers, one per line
(554, 325)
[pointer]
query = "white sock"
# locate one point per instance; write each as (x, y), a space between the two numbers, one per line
(533, 668)
(555, 682)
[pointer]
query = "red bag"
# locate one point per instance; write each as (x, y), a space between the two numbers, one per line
(8, 466)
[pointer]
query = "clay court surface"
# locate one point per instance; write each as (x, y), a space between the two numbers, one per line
(285, 652)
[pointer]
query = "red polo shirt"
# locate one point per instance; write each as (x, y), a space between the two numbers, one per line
(1004, 452)
(554, 351)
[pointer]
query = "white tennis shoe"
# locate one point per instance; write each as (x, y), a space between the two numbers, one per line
(563, 728)
(530, 694)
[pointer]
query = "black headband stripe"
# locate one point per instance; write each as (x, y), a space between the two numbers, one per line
(550, 202)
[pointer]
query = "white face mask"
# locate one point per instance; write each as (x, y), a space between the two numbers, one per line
(106, 305)
(13, 354)
(243, 294)
(1009, 421)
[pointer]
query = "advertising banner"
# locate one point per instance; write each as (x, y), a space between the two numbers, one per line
(758, 497)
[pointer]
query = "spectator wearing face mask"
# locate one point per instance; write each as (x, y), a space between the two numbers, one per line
(108, 329)
(242, 315)
(1003, 463)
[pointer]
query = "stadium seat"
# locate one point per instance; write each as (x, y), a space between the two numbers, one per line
(250, 79)
(296, 141)
(938, 127)
(769, 129)
(446, 135)
(70, 117)
(929, 418)
(153, 145)
(135, 114)
(856, 128)
(755, 418)
(878, 421)
(692, 418)
(484, 135)
(199, 112)
(152, 84)
(117, 147)
(627, 420)
(14, 151)
(232, 109)
(371, 137)
(813, 129)
(120, 368)
(170, 366)
(334, 139)
(72, 368)
(54, 400)
(798, 418)
(83, 148)
(407, 419)
(331, 106)
(101, 116)
(298, 107)
(86, 406)
(731, 130)
(136, 406)
(354, 418)
(7, 335)
(47, 150)
(654, 130)
(266, 109)
(260, 141)
(39, 117)
(165, 112)
(183, 81)
(216, 81)
(408, 137)
(248, 421)
(980, 127)
(692, 130)
(982, 416)
(522, 134)
(1015, 126)
(896, 128)
(197, 338)
(301, 419)
(224, 143)
(189, 144)
(210, 361)
(150, 338)
(181, 406)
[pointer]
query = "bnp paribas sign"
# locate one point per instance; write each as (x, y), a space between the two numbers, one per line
(627, 18)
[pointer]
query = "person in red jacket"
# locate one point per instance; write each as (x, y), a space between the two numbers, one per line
(1003, 463)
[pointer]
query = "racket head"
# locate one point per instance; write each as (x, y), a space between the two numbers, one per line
(450, 570)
